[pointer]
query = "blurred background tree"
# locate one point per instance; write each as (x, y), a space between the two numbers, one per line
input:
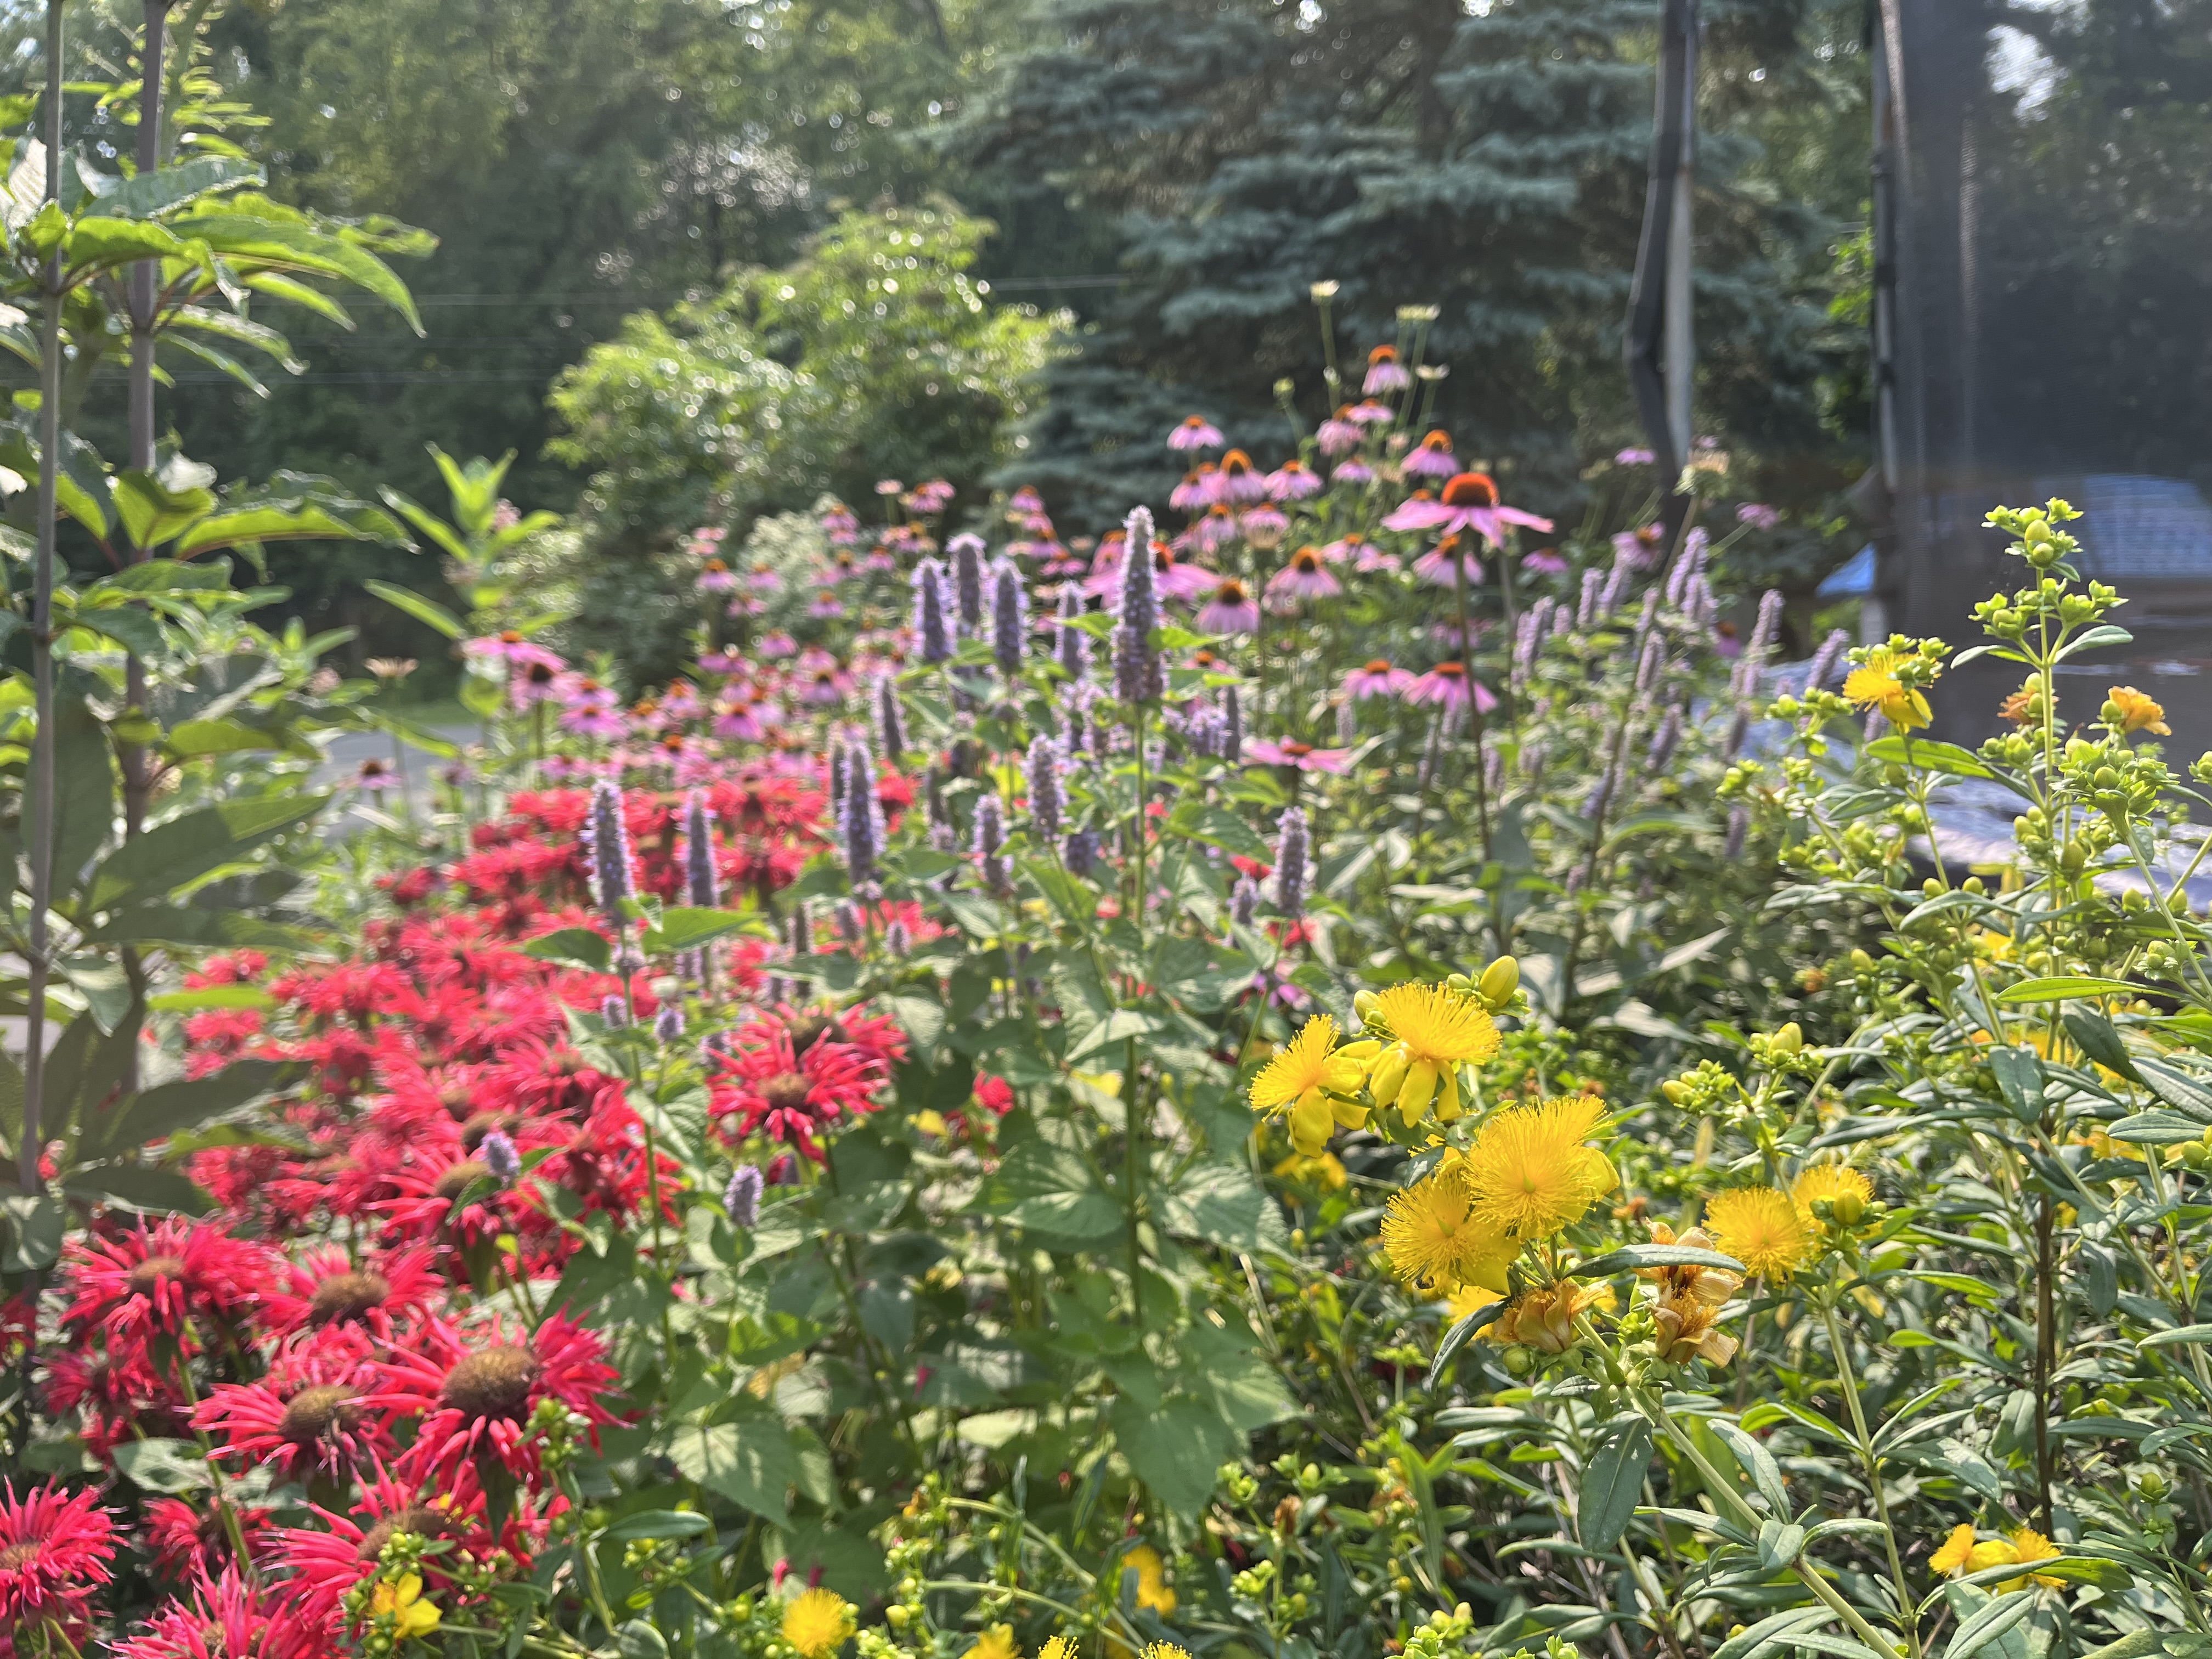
(1175, 172)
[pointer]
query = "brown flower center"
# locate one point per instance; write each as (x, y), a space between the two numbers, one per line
(16, 1557)
(1438, 442)
(1230, 593)
(313, 1412)
(1471, 490)
(458, 1179)
(344, 1297)
(809, 1028)
(786, 1092)
(495, 1381)
(474, 1130)
(1378, 665)
(417, 1518)
(146, 1278)
(1451, 670)
(1306, 561)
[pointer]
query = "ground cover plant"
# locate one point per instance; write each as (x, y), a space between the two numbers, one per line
(1347, 1069)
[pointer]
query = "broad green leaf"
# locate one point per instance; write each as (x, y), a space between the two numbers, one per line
(1613, 1482)
(1458, 1336)
(167, 1108)
(657, 1523)
(577, 947)
(682, 928)
(83, 812)
(163, 1465)
(1757, 1462)
(1223, 1205)
(184, 848)
(1929, 755)
(99, 244)
(1175, 1448)
(32, 1226)
(2181, 1335)
(243, 235)
(423, 610)
(149, 194)
(2156, 1128)
(137, 1186)
(210, 996)
(1996, 1616)
(751, 1462)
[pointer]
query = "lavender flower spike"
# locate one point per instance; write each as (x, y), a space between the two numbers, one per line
(1045, 794)
(933, 629)
(1825, 659)
(741, 1198)
(606, 838)
(1010, 617)
(1233, 735)
(1073, 647)
(967, 551)
(1292, 843)
(701, 883)
(1137, 677)
(990, 831)
(863, 815)
(890, 721)
(501, 1157)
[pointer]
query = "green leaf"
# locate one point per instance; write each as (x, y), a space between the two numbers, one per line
(1223, 1205)
(83, 812)
(657, 1523)
(163, 1465)
(188, 848)
(577, 947)
(2019, 1074)
(1458, 1336)
(152, 512)
(686, 928)
(2155, 1128)
(195, 740)
(99, 244)
(1175, 1448)
(210, 996)
(1613, 1482)
(1996, 1616)
(1631, 1257)
(36, 1223)
(2060, 988)
(922, 1018)
(752, 1463)
(1929, 755)
(151, 193)
(245, 233)
(1117, 1027)
(2097, 1038)
(1758, 1462)
(423, 610)
(2180, 1336)
(138, 1187)
(167, 1108)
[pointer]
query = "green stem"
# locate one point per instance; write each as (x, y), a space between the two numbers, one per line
(1872, 1465)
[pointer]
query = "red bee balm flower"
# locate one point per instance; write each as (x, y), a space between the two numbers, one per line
(55, 1551)
(153, 1282)
(327, 1561)
(308, 1416)
(326, 1289)
(792, 1092)
(226, 1617)
(475, 1391)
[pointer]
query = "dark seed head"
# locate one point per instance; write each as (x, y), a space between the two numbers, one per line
(786, 1092)
(474, 1130)
(495, 1382)
(458, 1179)
(347, 1298)
(809, 1028)
(146, 1278)
(315, 1413)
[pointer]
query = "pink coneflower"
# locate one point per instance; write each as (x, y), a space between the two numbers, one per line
(826, 607)
(1758, 515)
(375, 776)
(1354, 471)
(1384, 373)
(1293, 481)
(1546, 560)
(1339, 435)
(1377, 678)
(722, 662)
(763, 580)
(1215, 529)
(737, 719)
(530, 684)
(1432, 457)
(1174, 579)
(477, 1390)
(775, 646)
(1452, 687)
(715, 577)
(1634, 457)
(1192, 494)
(1306, 577)
(890, 486)
(1368, 412)
(590, 710)
(1263, 526)
(827, 687)
(1239, 483)
(1196, 432)
(1449, 563)
(56, 1548)
(1024, 500)
(1640, 546)
(840, 525)
(1229, 609)
(1469, 501)
(1300, 757)
(928, 498)
(510, 646)
(1726, 642)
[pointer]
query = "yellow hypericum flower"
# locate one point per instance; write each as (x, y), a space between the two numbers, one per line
(1529, 1174)
(1438, 1032)
(1847, 1191)
(2028, 1545)
(817, 1622)
(1875, 684)
(1058, 1648)
(403, 1602)
(1164, 1650)
(1434, 1244)
(1957, 1550)
(1300, 1076)
(2131, 711)
(1760, 1228)
(996, 1643)
(1467, 1299)
(1323, 1170)
(1153, 1592)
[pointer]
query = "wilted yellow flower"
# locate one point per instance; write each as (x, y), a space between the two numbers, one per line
(1544, 1318)
(1323, 1170)
(1433, 1242)
(996, 1643)
(1847, 1191)
(1874, 684)
(1153, 1592)
(1528, 1173)
(2132, 711)
(1760, 1228)
(1299, 1079)
(403, 1603)
(817, 1622)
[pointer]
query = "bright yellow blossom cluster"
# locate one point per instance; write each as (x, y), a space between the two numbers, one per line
(1963, 1553)
(817, 1622)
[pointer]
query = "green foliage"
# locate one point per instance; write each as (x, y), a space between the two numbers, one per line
(875, 354)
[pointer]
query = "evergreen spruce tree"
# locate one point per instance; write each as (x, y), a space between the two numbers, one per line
(1491, 166)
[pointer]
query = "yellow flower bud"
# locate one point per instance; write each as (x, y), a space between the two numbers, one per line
(1362, 1005)
(1790, 1040)
(1415, 1092)
(1311, 1120)
(1390, 1073)
(1499, 981)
